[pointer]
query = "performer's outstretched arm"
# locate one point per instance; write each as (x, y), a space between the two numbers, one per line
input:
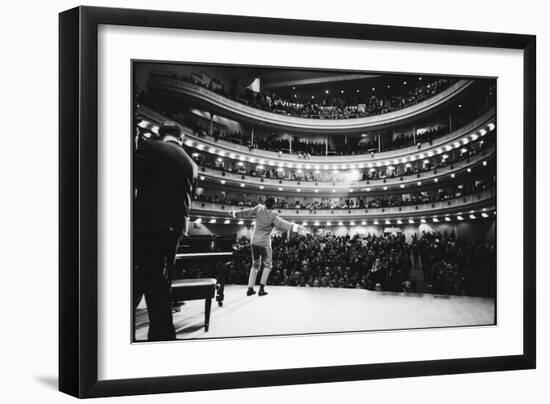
(282, 224)
(246, 213)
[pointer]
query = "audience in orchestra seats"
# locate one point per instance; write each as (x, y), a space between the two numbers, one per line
(456, 266)
(451, 266)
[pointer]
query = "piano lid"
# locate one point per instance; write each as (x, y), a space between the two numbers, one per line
(206, 246)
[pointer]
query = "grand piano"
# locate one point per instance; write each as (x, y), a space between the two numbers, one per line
(200, 270)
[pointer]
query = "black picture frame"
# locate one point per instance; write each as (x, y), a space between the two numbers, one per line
(78, 196)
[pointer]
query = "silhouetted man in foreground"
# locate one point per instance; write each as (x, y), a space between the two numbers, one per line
(164, 179)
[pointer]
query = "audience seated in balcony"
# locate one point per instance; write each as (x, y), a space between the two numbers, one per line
(329, 107)
(361, 202)
(365, 174)
(305, 148)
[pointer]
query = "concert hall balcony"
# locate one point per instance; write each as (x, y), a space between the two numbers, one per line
(466, 133)
(215, 100)
(343, 180)
(469, 207)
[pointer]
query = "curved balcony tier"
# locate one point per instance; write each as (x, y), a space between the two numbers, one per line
(267, 184)
(219, 104)
(468, 205)
(479, 127)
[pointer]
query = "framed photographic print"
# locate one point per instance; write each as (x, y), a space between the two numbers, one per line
(249, 201)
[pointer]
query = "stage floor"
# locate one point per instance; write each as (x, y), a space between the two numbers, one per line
(299, 310)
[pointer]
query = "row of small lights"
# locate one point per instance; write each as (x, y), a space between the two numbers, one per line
(387, 163)
(357, 91)
(456, 144)
(434, 219)
(368, 189)
(299, 171)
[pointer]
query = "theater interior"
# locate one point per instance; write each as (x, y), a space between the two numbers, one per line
(395, 167)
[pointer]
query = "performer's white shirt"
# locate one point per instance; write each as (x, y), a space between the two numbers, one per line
(266, 221)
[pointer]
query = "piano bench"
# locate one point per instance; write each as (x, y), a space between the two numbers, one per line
(195, 289)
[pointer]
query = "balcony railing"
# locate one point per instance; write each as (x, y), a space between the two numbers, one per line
(291, 122)
(459, 205)
(235, 179)
(268, 157)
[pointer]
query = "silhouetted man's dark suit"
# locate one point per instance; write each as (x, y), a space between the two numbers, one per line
(164, 178)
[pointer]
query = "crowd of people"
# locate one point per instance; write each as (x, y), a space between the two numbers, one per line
(298, 146)
(427, 136)
(358, 105)
(306, 148)
(365, 174)
(354, 146)
(464, 266)
(302, 146)
(376, 262)
(429, 164)
(385, 201)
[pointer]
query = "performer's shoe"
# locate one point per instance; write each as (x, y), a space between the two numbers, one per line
(251, 292)
(262, 292)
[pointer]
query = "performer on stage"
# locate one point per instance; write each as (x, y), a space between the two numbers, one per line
(266, 220)
(164, 181)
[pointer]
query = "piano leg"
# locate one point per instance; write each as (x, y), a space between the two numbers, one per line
(220, 276)
(207, 308)
(219, 294)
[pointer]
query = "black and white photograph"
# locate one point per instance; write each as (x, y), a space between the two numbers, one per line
(276, 201)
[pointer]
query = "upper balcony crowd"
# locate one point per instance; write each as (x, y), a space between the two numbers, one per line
(340, 107)
(331, 106)
(305, 148)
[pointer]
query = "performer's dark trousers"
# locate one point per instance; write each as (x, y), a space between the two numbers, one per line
(154, 254)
